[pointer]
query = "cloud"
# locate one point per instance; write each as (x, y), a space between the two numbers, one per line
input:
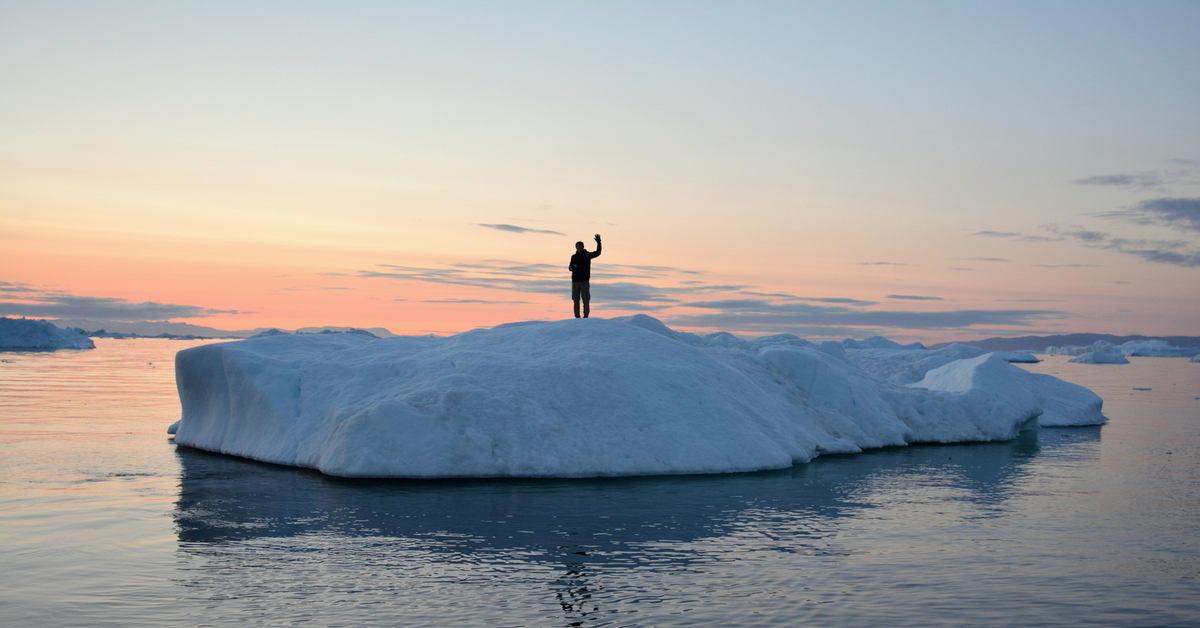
(1177, 213)
(474, 301)
(912, 297)
(1147, 179)
(607, 287)
(1171, 252)
(792, 297)
(1016, 236)
(881, 264)
(516, 229)
(1067, 265)
(745, 316)
(16, 288)
(997, 234)
(1140, 180)
(103, 309)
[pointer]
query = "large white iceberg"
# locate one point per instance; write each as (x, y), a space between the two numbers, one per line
(23, 334)
(594, 397)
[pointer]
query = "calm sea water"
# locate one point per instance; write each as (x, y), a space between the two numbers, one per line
(105, 522)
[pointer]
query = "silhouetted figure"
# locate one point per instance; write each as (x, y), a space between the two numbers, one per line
(581, 276)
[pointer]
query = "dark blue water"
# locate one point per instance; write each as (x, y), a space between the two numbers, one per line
(105, 522)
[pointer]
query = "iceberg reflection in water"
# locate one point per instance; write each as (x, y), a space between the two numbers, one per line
(816, 541)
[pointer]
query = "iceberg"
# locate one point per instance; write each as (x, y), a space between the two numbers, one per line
(1144, 348)
(22, 334)
(594, 397)
(1093, 357)
(1157, 349)
(1024, 357)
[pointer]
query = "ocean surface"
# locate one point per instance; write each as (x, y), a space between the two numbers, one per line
(105, 522)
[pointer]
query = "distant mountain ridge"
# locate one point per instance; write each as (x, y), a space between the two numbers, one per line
(1038, 343)
(148, 329)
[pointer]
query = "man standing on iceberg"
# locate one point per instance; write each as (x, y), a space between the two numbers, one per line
(581, 275)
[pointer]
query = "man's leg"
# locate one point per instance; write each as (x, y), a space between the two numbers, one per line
(575, 289)
(587, 298)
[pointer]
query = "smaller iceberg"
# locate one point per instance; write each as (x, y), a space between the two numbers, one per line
(1093, 357)
(1021, 357)
(22, 334)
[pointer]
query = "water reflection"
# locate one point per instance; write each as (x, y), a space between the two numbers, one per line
(563, 540)
(224, 498)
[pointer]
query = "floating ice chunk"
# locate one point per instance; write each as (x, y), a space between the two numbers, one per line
(1023, 357)
(22, 334)
(587, 397)
(1099, 358)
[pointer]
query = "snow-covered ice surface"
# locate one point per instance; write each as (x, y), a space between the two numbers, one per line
(22, 334)
(595, 397)
(1093, 357)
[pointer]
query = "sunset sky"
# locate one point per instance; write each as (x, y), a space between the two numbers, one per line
(920, 170)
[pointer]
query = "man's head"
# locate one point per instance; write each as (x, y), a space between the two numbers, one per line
(579, 246)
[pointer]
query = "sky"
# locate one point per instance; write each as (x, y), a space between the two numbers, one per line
(927, 171)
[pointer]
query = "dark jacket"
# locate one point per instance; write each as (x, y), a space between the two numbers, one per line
(581, 264)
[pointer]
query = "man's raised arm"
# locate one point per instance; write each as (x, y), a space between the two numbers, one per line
(598, 246)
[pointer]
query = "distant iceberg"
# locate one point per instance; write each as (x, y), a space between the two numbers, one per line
(1144, 348)
(595, 397)
(22, 334)
(1092, 357)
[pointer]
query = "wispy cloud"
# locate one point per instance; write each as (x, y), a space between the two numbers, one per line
(1177, 213)
(699, 305)
(16, 288)
(1172, 252)
(746, 316)
(1017, 236)
(1145, 180)
(516, 229)
(550, 279)
(475, 301)
(59, 305)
